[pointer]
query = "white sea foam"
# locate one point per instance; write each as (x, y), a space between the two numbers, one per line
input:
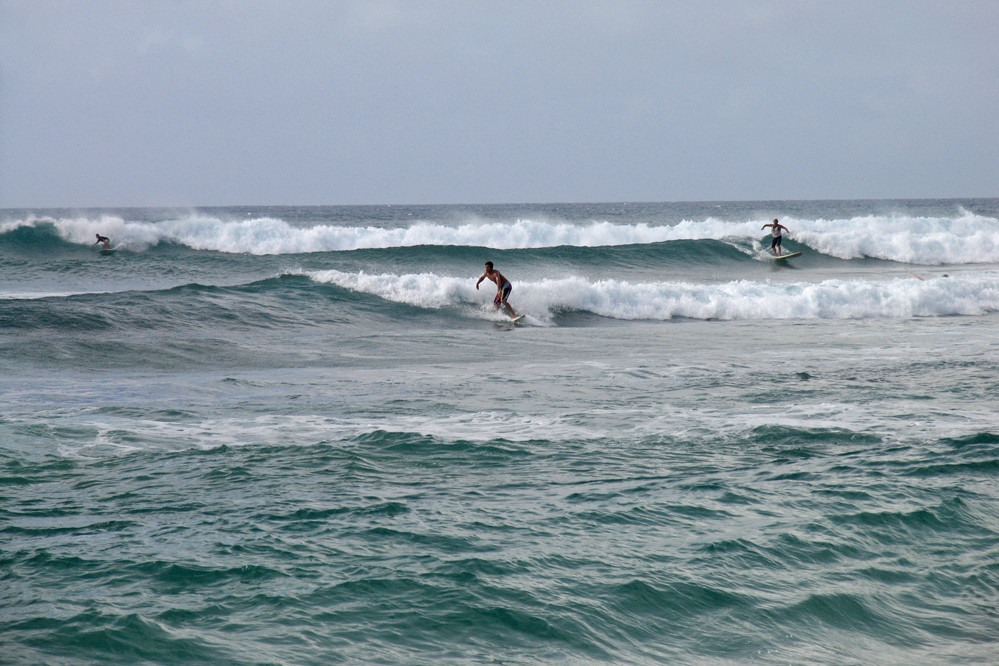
(111, 435)
(39, 295)
(967, 238)
(741, 299)
(273, 236)
(918, 240)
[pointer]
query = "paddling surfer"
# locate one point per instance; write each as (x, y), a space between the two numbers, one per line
(103, 240)
(503, 288)
(775, 231)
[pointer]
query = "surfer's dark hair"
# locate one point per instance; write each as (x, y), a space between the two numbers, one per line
(489, 264)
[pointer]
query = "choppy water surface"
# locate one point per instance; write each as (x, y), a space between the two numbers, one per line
(302, 435)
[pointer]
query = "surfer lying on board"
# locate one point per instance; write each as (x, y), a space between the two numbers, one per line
(103, 239)
(775, 231)
(503, 287)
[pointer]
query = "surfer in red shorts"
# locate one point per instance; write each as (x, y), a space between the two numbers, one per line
(503, 287)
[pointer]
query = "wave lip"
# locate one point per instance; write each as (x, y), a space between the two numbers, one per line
(965, 239)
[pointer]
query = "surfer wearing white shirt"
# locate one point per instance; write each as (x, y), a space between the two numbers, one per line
(775, 231)
(503, 287)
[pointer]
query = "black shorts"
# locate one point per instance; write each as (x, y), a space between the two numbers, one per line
(775, 242)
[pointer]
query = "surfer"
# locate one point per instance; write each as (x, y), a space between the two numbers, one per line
(503, 288)
(775, 231)
(103, 239)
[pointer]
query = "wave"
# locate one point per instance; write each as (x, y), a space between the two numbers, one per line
(961, 239)
(545, 300)
(287, 300)
(272, 303)
(965, 239)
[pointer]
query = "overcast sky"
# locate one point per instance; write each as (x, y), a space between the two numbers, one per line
(225, 102)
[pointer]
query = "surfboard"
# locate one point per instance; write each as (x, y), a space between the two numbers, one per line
(107, 251)
(788, 255)
(518, 319)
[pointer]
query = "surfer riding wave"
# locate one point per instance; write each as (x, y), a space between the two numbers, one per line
(775, 232)
(503, 288)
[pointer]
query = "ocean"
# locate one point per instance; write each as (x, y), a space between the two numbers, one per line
(301, 435)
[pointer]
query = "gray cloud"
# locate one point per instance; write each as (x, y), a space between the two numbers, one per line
(201, 103)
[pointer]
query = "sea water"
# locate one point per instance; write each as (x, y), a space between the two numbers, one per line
(290, 435)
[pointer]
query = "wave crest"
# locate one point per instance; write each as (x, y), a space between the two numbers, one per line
(742, 299)
(966, 238)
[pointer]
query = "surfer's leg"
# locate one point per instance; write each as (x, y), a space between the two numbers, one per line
(504, 294)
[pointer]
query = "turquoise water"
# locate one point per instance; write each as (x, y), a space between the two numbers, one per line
(301, 435)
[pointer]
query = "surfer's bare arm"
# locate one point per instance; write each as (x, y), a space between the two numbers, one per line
(480, 280)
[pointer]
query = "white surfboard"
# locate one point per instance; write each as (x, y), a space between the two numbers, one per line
(788, 255)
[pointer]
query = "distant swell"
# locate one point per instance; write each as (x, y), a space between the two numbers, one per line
(962, 239)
